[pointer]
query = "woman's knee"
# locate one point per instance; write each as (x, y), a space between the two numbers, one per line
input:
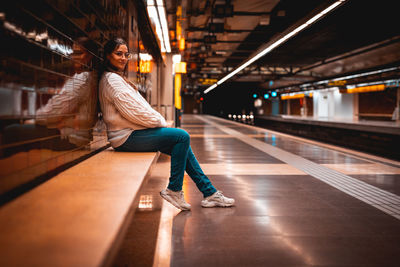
(183, 136)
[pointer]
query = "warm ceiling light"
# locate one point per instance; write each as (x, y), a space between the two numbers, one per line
(277, 43)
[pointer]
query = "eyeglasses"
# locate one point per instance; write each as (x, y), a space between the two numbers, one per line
(121, 54)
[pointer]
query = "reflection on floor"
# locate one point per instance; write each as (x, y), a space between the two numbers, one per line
(299, 203)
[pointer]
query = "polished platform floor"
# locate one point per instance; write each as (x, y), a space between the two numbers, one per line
(298, 203)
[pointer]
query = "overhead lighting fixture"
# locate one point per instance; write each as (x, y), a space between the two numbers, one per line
(277, 43)
(212, 86)
(156, 10)
(348, 77)
(366, 73)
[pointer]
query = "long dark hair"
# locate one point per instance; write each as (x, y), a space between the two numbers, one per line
(109, 47)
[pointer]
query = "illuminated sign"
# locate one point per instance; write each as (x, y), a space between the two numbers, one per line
(295, 95)
(145, 66)
(337, 83)
(207, 81)
(284, 97)
(180, 67)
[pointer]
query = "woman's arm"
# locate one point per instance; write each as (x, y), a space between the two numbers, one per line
(131, 105)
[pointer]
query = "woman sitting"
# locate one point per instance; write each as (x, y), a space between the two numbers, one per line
(133, 125)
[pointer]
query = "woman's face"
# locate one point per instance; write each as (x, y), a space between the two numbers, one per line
(119, 57)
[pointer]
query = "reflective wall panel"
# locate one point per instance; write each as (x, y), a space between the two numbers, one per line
(50, 53)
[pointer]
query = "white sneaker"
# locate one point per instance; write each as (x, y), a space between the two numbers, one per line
(217, 200)
(175, 198)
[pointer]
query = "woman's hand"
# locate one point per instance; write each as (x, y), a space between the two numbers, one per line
(170, 124)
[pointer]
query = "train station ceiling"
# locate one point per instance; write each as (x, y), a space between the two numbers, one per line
(357, 37)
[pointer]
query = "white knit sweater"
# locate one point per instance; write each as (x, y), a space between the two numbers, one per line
(124, 109)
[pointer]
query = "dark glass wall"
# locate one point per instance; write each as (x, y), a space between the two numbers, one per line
(50, 51)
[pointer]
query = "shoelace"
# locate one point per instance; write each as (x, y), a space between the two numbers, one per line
(182, 197)
(219, 194)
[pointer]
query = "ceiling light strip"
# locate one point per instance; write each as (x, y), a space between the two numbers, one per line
(350, 76)
(277, 43)
(164, 25)
(157, 14)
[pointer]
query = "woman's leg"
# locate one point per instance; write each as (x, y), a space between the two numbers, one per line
(171, 141)
(176, 143)
(195, 172)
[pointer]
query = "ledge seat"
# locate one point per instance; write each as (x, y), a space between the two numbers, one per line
(77, 217)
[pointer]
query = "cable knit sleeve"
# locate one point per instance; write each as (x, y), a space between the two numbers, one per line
(132, 105)
(65, 103)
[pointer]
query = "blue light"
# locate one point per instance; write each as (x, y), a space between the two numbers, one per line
(255, 95)
(273, 94)
(271, 83)
(266, 96)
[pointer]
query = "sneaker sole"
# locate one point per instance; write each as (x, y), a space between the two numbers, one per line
(217, 204)
(170, 200)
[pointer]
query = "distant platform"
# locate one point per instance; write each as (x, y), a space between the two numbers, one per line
(377, 137)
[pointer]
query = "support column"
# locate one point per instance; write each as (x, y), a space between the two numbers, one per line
(167, 89)
(178, 99)
(398, 105)
(355, 107)
(305, 109)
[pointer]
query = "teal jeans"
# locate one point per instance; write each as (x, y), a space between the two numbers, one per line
(176, 143)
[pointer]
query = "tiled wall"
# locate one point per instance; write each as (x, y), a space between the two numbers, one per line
(49, 55)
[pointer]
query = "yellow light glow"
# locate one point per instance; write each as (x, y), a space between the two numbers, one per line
(180, 67)
(364, 89)
(179, 11)
(178, 30)
(182, 44)
(337, 83)
(178, 82)
(207, 81)
(145, 66)
(284, 97)
(146, 202)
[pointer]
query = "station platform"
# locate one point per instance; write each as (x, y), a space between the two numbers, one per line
(371, 136)
(298, 203)
(388, 127)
